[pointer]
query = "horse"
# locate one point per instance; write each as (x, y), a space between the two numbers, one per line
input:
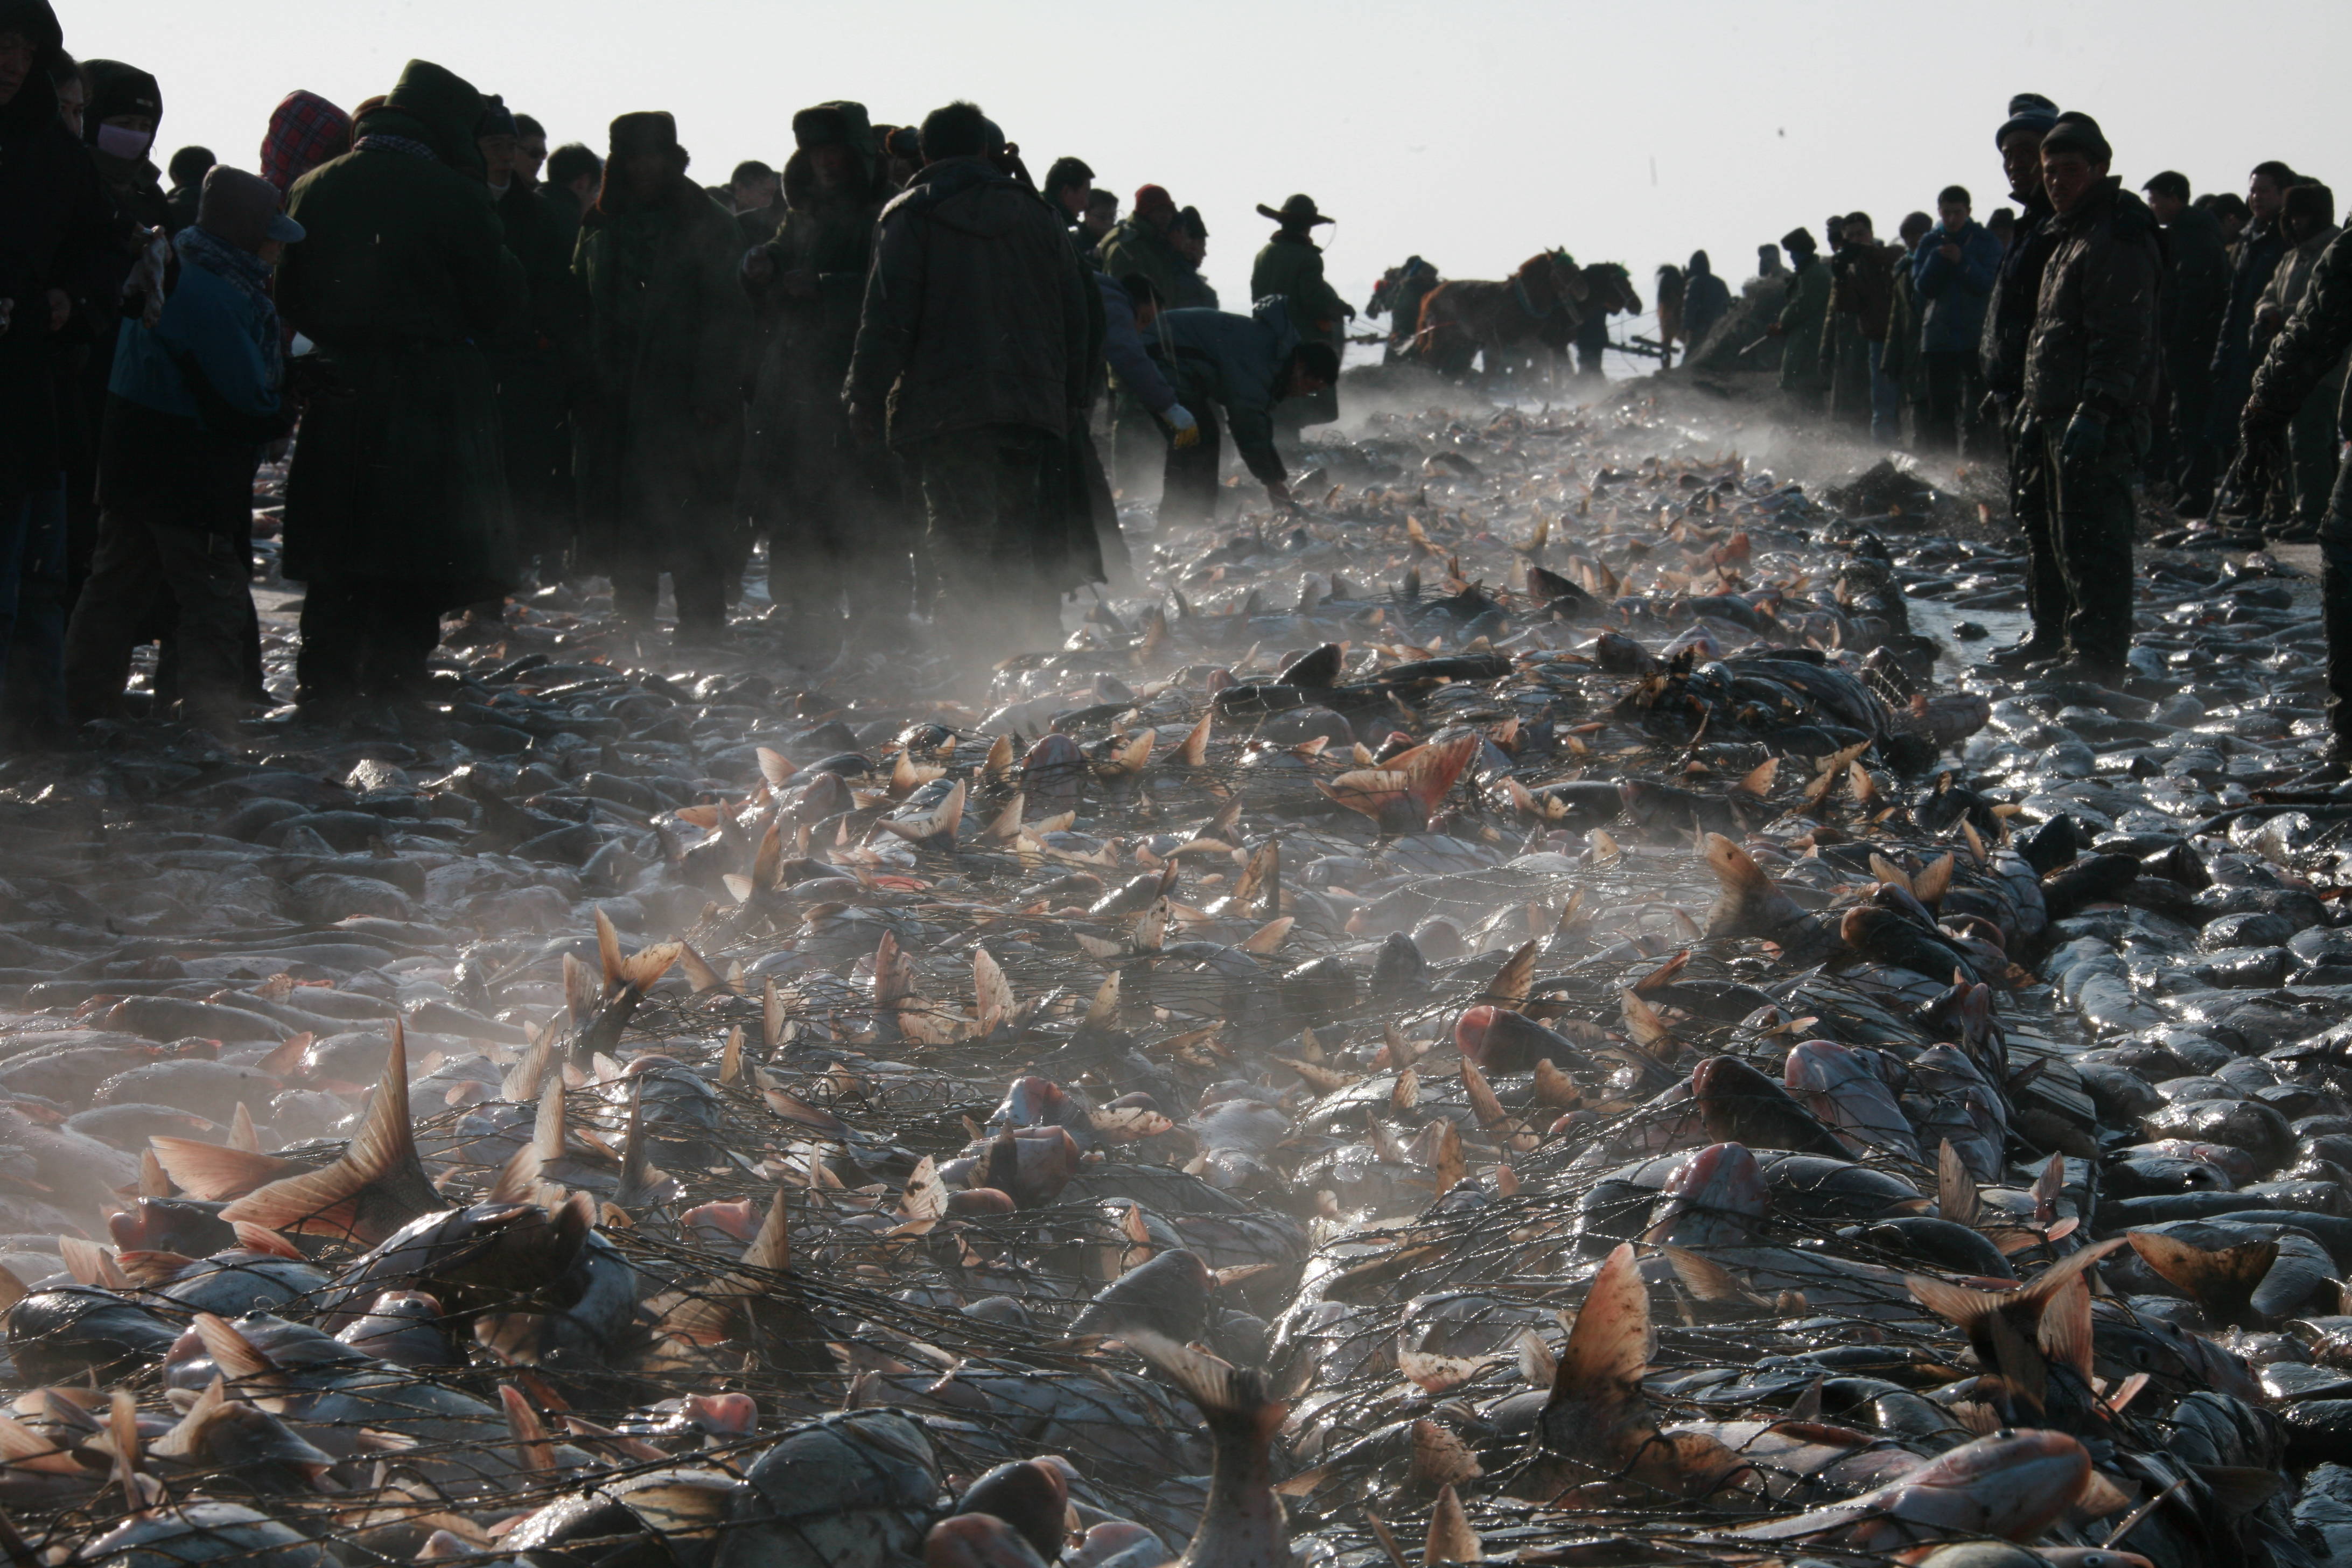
(1399, 295)
(1670, 313)
(1463, 318)
(1612, 293)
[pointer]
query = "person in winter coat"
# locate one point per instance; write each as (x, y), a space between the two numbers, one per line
(537, 355)
(2259, 251)
(1244, 365)
(2000, 355)
(2298, 498)
(1706, 300)
(2196, 295)
(1143, 244)
(1140, 242)
(1800, 323)
(1289, 266)
(396, 503)
(972, 345)
(2308, 352)
(190, 403)
(831, 508)
(119, 126)
(2091, 380)
(1131, 308)
(1899, 362)
(574, 173)
(57, 237)
(1954, 269)
(659, 449)
(1854, 342)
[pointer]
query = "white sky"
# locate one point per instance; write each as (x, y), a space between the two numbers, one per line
(1473, 131)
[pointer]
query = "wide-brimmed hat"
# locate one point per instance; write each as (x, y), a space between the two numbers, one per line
(1298, 212)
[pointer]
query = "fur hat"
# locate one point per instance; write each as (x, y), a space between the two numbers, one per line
(840, 122)
(1298, 212)
(1154, 202)
(1800, 241)
(645, 130)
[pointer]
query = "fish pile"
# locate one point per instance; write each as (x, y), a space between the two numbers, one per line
(1535, 1009)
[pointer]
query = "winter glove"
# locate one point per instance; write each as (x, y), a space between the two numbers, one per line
(2084, 438)
(1187, 428)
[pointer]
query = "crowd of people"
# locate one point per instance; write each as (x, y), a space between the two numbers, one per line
(894, 357)
(2099, 346)
(512, 365)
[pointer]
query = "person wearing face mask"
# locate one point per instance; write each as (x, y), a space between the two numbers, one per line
(190, 402)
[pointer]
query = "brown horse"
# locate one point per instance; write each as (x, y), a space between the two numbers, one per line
(1462, 318)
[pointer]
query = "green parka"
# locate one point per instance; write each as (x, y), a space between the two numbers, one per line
(402, 275)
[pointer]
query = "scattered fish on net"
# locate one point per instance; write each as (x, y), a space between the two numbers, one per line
(1519, 1013)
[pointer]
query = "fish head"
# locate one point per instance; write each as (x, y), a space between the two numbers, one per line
(1716, 1195)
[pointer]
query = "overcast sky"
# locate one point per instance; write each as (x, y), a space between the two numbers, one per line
(1473, 131)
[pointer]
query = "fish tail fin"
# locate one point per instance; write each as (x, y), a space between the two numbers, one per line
(1430, 771)
(1235, 1399)
(640, 970)
(1956, 1190)
(608, 951)
(2221, 1281)
(1747, 902)
(241, 1133)
(378, 1185)
(699, 972)
(2063, 1335)
(215, 1171)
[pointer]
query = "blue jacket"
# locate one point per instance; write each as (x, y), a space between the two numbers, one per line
(1123, 346)
(1955, 292)
(227, 335)
(1235, 362)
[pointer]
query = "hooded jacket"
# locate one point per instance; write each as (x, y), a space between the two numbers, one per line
(2092, 346)
(1235, 362)
(974, 314)
(55, 231)
(1954, 293)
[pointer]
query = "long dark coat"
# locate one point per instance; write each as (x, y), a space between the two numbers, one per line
(398, 474)
(661, 428)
